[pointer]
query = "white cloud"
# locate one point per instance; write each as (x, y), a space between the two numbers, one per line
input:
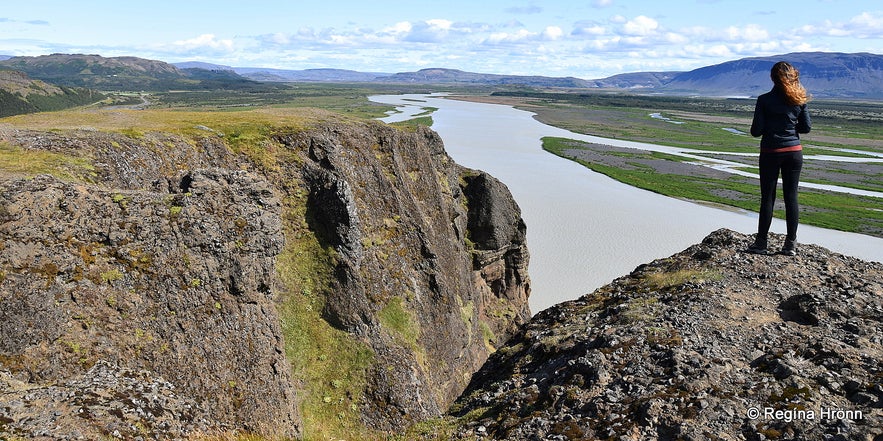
(552, 33)
(600, 42)
(748, 33)
(402, 27)
(864, 25)
(675, 38)
(640, 25)
(203, 42)
(441, 24)
(588, 29)
(510, 37)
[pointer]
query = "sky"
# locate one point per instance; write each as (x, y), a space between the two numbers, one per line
(586, 39)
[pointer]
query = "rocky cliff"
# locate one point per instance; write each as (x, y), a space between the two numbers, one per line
(304, 277)
(709, 344)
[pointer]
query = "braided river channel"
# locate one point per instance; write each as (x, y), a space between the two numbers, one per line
(583, 228)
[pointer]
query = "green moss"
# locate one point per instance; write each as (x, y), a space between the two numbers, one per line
(330, 362)
(442, 429)
(111, 275)
(488, 335)
(401, 322)
(120, 200)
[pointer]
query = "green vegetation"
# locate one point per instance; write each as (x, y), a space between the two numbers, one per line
(400, 322)
(668, 279)
(702, 120)
(111, 275)
(16, 104)
(412, 124)
(126, 74)
(350, 100)
(29, 163)
(330, 363)
(837, 211)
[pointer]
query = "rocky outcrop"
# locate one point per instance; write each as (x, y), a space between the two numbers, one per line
(711, 343)
(400, 226)
(173, 284)
(176, 284)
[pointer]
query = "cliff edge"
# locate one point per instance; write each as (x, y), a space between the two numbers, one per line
(176, 274)
(709, 344)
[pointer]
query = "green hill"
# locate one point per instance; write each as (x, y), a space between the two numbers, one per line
(122, 73)
(20, 94)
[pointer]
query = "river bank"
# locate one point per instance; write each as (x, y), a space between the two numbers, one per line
(584, 229)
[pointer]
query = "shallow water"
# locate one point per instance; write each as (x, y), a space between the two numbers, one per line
(585, 229)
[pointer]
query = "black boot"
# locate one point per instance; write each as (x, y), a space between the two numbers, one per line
(759, 246)
(789, 248)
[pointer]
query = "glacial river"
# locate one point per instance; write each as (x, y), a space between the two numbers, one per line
(585, 229)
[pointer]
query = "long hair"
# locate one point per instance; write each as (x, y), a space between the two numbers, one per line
(787, 78)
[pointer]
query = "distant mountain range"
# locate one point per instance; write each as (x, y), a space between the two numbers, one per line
(825, 74)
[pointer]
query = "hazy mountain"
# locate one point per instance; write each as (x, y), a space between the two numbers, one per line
(636, 80)
(824, 74)
(454, 76)
(201, 65)
(307, 75)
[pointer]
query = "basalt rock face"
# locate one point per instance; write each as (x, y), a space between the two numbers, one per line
(711, 343)
(144, 299)
(400, 224)
(177, 285)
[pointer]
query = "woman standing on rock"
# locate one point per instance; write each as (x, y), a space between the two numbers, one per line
(780, 116)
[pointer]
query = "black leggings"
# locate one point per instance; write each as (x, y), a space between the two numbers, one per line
(790, 164)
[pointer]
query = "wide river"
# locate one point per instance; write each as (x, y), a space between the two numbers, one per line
(584, 229)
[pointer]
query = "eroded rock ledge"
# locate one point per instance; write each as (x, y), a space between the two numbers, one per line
(690, 347)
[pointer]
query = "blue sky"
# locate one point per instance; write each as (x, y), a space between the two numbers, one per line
(586, 39)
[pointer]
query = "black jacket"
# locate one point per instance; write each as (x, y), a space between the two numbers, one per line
(778, 123)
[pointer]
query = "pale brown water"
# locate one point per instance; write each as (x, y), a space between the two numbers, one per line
(585, 229)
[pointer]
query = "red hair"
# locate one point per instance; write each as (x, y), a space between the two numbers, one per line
(787, 78)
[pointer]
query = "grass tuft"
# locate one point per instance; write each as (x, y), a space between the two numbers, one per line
(29, 163)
